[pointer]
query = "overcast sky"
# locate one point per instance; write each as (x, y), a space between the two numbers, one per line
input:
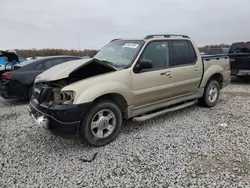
(53, 23)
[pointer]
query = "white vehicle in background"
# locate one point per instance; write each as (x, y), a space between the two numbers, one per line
(36, 57)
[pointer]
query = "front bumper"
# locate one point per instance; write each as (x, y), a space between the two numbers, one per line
(237, 72)
(60, 118)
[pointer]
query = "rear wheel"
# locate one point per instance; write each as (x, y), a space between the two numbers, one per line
(211, 94)
(101, 124)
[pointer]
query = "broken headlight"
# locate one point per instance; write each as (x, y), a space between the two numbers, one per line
(67, 97)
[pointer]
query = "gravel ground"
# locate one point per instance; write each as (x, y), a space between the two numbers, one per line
(187, 148)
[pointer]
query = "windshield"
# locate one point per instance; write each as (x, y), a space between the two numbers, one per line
(240, 47)
(120, 53)
(26, 63)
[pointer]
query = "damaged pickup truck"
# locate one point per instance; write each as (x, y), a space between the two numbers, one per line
(127, 79)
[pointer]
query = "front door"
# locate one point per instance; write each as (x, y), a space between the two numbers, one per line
(156, 84)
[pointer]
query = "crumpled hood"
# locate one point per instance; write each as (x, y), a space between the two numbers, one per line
(61, 71)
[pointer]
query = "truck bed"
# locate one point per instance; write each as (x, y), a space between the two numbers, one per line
(222, 60)
(219, 60)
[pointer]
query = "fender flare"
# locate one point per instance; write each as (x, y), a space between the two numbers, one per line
(216, 69)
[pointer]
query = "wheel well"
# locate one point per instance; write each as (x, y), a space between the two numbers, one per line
(118, 99)
(218, 77)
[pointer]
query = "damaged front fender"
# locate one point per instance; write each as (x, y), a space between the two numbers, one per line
(97, 90)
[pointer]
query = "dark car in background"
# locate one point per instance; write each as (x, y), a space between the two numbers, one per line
(18, 84)
(239, 53)
(216, 51)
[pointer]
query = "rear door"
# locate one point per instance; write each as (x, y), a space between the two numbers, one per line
(153, 85)
(186, 68)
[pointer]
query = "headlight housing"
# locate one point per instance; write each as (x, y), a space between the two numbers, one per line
(67, 97)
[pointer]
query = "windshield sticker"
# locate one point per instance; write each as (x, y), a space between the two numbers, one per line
(130, 45)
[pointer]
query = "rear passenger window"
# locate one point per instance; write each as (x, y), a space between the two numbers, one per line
(182, 53)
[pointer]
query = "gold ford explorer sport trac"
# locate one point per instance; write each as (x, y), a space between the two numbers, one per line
(127, 79)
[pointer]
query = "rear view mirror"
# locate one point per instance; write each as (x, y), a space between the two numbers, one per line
(144, 64)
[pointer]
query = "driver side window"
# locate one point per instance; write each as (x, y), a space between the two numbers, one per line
(158, 53)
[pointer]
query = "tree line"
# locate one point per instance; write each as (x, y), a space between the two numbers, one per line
(203, 49)
(51, 52)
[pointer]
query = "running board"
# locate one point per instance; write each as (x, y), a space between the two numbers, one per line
(155, 114)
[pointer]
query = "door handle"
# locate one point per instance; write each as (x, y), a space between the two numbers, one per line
(196, 68)
(168, 73)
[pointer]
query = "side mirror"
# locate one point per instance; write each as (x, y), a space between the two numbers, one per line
(144, 64)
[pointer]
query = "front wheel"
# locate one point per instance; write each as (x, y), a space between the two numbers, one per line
(101, 124)
(211, 94)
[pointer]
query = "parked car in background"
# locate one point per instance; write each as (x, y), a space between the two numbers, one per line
(216, 51)
(128, 78)
(239, 54)
(17, 84)
(7, 60)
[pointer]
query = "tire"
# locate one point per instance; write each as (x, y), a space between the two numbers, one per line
(96, 128)
(210, 98)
